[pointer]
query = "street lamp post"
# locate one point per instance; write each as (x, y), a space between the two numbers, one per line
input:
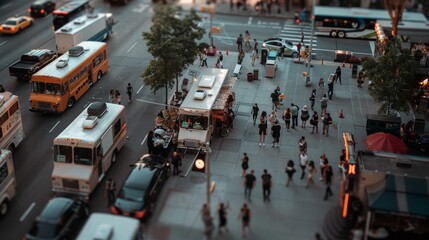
(208, 173)
(308, 79)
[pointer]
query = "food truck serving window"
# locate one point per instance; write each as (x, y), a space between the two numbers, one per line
(194, 122)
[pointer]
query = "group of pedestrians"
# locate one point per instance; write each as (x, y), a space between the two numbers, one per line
(115, 95)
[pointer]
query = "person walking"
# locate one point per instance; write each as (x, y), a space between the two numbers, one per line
(207, 221)
(247, 38)
(302, 145)
(330, 88)
(275, 99)
(204, 60)
(324, 104)
(286, 117)
(255, 111)
(150, 142)
(112, 96)
(263, 117)
(175, 160)
(298, 47)
(323, 162)
(303, 161)
(266, 185)
(118, 97)
(130, 91)
(241, 56)
(221, 59)
(275, 132)
(290, 170)
(302, 36)
(272, 118)
(245, 216)
(249, 183)
(342, 161)
(313, 99)
(327, 120)
(262, 132)
(244, 164)
(255, 46)
(304, 116)
(240, 42)
(311, 172)
(314, 121)
(327, 176)
(222, 212)
(338, 73)
(253, 55)
(294, 111)
(110, 191)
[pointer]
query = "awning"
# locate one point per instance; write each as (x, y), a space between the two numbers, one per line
(400, 195)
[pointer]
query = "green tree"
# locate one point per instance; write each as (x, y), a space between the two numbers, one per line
(172, 43)
(393, 78)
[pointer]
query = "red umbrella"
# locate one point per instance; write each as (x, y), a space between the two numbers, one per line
(386, 142)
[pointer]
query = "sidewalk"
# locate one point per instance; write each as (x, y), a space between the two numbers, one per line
(295, 212)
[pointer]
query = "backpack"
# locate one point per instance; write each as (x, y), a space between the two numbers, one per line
(266, 179)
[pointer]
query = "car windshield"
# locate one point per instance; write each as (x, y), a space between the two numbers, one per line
(62, 154)
(194, 122)
(131, 194)
(83, 156)
(44, 230)
(10, 22)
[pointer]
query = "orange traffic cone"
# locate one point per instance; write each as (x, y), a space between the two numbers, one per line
(227, 51)
(341, 114)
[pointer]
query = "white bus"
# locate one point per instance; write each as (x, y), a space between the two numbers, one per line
(112, 227)
(7, 181)
(11, 131)
(92, 27)
(354, 22)
(87, 148)
(195, 113)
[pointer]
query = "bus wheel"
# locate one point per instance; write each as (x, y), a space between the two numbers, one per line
(333, 33)
(70, 103)
(114, 155)
(99, 74)
(4, 207)
(341, 34)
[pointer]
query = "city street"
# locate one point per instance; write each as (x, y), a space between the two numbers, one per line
(296, 212)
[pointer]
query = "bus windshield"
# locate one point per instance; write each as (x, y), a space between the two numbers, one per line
(46, 88)
(63, 154)
(83, 156)
(194, 122)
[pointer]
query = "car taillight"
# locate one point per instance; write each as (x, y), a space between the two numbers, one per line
(29, 10)
(139, 214)
(42, 11)
(114, 210)
(12, 29)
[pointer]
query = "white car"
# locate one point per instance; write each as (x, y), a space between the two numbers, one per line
(277, 43)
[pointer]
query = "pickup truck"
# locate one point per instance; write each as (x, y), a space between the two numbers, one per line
(31, 62)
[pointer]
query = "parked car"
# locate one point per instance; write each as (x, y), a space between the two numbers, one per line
(41, 8)
(138, 195)
(277, 43)
(14, 25)
(31, 62)
(60, 219)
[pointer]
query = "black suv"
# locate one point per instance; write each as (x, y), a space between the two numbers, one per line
(138, 195)
(60, 219)
(41, 8)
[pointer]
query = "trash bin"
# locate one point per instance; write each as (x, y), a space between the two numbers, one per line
(255, 74)
(419, 125)
(342, 56)
(249, 77)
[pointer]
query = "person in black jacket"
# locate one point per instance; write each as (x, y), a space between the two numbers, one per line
(150, 143)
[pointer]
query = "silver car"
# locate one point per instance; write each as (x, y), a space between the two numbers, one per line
(277, 43)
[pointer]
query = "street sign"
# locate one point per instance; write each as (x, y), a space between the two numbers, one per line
(215, 29)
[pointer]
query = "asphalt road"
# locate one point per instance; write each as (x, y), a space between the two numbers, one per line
(128, 57)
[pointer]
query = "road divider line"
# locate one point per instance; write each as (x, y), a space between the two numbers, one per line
(144, 139)
(140, 89)
(131, 48)
(5, 6)
(3, 43)
(54, 127)
(27, 211)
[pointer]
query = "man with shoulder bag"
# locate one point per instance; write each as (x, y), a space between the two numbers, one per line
(327, 120)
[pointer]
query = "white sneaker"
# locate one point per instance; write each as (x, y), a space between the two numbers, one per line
(260, 144)
(263, 144)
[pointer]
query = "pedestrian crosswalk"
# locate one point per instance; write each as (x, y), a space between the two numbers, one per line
(292, 32)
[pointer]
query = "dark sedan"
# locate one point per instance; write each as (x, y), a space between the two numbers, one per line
(140, 191)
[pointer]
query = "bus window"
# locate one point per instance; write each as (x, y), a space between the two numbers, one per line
(3, 173)
(52, 89)
(13, 108)
(117, 127)
(83, 156)
(65, 88)
(38, 87)
(4, 118)
(63, 154)
(96, 61)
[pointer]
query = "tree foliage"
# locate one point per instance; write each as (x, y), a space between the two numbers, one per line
(172, 43)
(395, 8)
(393, 78)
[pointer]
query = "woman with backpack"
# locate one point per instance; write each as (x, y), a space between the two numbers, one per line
(315, 122)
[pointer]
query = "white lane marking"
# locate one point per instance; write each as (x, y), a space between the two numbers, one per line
(54, 127)
(27, 211)
(3, 43)
(249, 21)
(144, 140)
(140, 89)
(131, 48)
(5, 6)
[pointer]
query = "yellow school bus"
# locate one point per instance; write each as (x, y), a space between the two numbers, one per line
(60, 84)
